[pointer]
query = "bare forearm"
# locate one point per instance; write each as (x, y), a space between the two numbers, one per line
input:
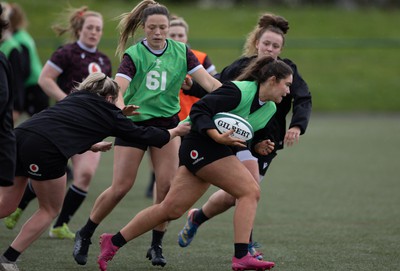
(51, 88)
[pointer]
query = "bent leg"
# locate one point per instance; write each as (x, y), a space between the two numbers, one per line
(126, 164)
(165, 164)
(185, 190)
(50, 195)
(221, 201)
(85, 166)
(246, 191)
(10, 196)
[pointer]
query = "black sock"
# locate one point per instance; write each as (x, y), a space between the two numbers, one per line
(73, 200)
(251, 236)
(88, 230)
(157, 238)
(28, 196)
(118, 240)
(199, 217)
(241, 250)
(11, 254)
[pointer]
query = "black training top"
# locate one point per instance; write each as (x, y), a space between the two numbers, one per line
(82, 119)
(7, 137)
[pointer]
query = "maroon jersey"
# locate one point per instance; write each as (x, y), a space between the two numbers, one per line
(75, 62)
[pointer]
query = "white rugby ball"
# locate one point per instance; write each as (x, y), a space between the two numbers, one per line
(227, 121)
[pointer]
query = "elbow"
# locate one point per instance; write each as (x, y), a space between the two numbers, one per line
(42, 83)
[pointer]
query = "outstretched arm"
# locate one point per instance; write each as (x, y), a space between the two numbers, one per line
(208, 82)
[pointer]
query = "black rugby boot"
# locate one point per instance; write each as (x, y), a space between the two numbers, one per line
(81, 249)
(155, 255)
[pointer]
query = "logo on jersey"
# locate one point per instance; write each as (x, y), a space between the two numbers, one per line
(194, 154)
(83, 55)
(94, 67)
(158, 62)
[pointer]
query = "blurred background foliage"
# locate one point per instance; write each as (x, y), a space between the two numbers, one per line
(348, 51)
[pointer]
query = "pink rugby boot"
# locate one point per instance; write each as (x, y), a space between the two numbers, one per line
(107, 251)
(249, 262)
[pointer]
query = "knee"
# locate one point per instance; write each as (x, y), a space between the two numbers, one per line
(120, 190)
(172, 211)
(6, 210)
(54, 213)
(83, 179)
(257, 193)
(254, 192)
(51, 211)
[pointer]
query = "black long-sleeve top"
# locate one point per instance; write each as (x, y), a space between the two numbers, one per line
(7, 137)
(299, 98)
(82, 119)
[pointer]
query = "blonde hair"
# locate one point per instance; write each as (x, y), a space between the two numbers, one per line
(100, 84)
(179, 21)
(266, 22)
(75, 18)
(130, 21)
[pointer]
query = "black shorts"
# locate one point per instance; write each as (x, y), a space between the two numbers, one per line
(35, 100)
(38, 158)
(167, 123)
(197, 151)
(264, 162)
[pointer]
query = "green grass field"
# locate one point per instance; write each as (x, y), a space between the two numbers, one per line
(328, 203)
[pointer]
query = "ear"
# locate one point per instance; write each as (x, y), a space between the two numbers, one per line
(272, 80)
(109, 99)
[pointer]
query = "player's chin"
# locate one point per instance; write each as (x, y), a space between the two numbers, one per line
(92, 43)
(278, 100)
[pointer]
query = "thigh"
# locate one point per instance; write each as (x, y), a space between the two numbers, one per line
(86, 162)
(229, 174)
(50, 193)
(250, 162)
(185, 190)
(165, 160)
(126, 165)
